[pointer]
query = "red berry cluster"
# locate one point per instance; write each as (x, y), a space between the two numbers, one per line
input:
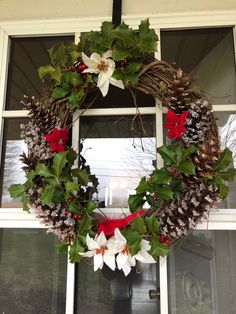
(75, 216)
(123, 64)
(79, 69)
(165, 240)
(154, 196)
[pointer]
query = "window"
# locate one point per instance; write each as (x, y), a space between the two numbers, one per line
(207, 53)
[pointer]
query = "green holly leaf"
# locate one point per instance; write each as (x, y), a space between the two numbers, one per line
(227, 175)
(47, 194)
(58, 196)
(16, 190)
(59, 92)
(107, 35)
(74, 208)
(46, 70)
(74, 55)
(82, 176)
(143, 186)
(187, 152)
(25, 202)
(167, 154)
(58, 55)
(131, 79)
(91, 206)
(76, 97)
(224, 191)
(62, 248)
(74, 251)
(161, 176)
(71, 155)
(120, 53)
(73, 78)
(133, 240)
(43, 171)
(133, 68)
(126, 34)
(85, 224)
(136, 202)
(152, 224)
(164, 193)
(70, 187)
(139, 225)
(157, 248)
(187, 167)
(224, 161)
(59, 162)
(30, 177)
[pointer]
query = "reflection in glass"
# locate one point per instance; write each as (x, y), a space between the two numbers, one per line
(117, 155)
(202, 274)
(11, 171)
(109, 292)
(32, 274)
(27, 55)
(208, 55)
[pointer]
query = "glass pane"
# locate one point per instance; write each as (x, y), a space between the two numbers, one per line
(32, 274)
(118, 155)
(208, 54)
(110, 292)
(11, 171)
(202, 274)
(27, 55)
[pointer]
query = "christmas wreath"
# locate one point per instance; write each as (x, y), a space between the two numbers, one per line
(179, 195)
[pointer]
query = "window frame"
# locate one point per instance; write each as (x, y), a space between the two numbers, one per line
(224, 219)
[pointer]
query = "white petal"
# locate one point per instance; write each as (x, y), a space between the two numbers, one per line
(107, 54)
(145, 245)
(121, 260)
(117, 83)
(91, 244)
(126, 269)
(109, 260)
(102, 79)
(131, 260)
(104, 88)
(144, 257)
(88, 254)
(95, 57)
(119, 237)
(91, 70)
(89, 62)
(98, 261)
(101, 239)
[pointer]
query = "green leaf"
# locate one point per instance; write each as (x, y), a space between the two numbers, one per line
(25, 202)
(91, 206)
(73, 78)
(133, 240)
(126, 34)
(58, 55)
(227, 175)
(120, 53)
(107, 35)
(224, 191)
(43, 171)
(59, 92)
(46, 70)
(47, 194)
(139, 225)
(75, 98)
(85, 224)
(187, 152)
(16, 190)
(164, 193)
(136, 202)
(167, 155)
(133, 67)
(71, 155)
(152, 224)
(71, 186)
(58, 196)
(59, 162)
(30, 177)
(187, 167)
(74, 208)
(74, 55)
(62, 248)
(161, 176)
(157, 248)
(143, 186)
(74, 251)
(225, 160)
(82, 176)
(56, 75)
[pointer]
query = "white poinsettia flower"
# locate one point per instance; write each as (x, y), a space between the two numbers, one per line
(104, 67)
(101, 251)
(143, 255)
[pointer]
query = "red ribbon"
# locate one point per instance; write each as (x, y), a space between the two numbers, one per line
(108, 226)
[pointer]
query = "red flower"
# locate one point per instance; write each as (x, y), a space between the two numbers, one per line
(58, 139)
(176, 124)
(109, 225)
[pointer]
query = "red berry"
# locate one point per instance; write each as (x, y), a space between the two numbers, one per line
(78, 216)
(75, 216)
(66, 213)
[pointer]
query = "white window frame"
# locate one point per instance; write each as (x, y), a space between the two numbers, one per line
(15, 218)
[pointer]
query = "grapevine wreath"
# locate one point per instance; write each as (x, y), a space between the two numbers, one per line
(179, 195)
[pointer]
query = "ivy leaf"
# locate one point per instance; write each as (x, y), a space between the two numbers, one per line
(43, 171)
(136, 202)
(187, 167)
(74, 251)
(16, 190)
(47, 194)
(161, 176)
(157, 248)
(139, 225)
(90, 207)
(59, 92)
(227, 175)
(152, 224)
(167, 155)
(59, 162)
(25, 202)
(85, 224)
(225, 160)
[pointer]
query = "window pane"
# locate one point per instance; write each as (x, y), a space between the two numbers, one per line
(202, 274)
(32, 274)
(11, 171)
(27, 55)
(109, 292)
(208, 54)
(117, 155)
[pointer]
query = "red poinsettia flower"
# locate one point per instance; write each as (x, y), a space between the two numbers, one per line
(58, 139)
(176, 124)
(108, 226)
